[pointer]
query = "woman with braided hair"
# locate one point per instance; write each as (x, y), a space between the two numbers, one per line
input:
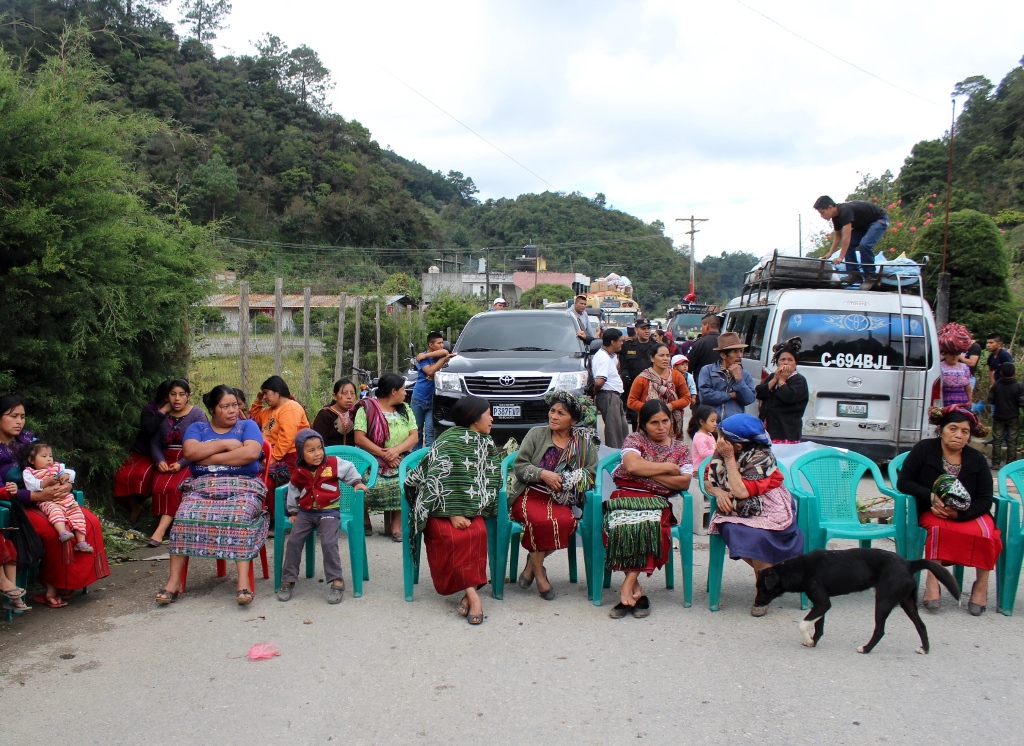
(552, 471)
(784, 395)
(638, 518)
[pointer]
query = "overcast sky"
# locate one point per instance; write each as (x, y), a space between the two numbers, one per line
(669, 108)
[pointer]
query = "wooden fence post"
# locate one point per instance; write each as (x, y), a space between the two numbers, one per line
(305, 344)
(380, 364)
(278, 314)
(359, 318)
(243, 337)
(339, 352)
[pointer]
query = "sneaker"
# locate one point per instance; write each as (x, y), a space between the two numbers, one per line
(336, 594)
(284, 593)
(756, 610)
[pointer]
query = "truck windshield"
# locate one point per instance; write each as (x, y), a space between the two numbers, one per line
(683, 323)
(855, 340)
(497, 332)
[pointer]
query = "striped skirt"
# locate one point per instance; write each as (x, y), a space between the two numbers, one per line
(637, 531)
(547, 525)
(975, 543)
(167, 487)
(221, 517)
(386, 494)
(457, 557)
(135, 477)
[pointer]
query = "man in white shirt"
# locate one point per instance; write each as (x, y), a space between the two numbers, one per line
(578, 311)
(608, 386)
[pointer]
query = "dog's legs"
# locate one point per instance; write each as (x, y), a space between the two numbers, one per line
(883, 607)
(815, 617)
(909, 604)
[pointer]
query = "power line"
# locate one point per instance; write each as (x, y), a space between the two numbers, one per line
(474, 132)
(433, 251)
(836, 56)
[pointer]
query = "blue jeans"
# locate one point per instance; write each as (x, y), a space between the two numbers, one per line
(424, 422)
(862, 245)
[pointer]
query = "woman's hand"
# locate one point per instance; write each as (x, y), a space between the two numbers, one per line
(162, 467)
(724, 449)
(552, 480)
(53, 492)
(940, 509)
(230, 444)
(174, 468)
(12, 489)
(460, 522)
(722, 499)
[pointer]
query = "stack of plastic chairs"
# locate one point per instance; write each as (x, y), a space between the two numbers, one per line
(352, 511)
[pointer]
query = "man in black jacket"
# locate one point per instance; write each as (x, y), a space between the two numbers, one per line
(1007, 398)
(703, 351)
(634, 359)
(858, 226)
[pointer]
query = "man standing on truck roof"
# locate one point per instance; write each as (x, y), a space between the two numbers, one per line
(703, 350)
(578, 311)
(634, 359)
(858, 226)
(609, 389)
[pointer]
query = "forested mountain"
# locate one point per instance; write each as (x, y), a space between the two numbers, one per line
(250, 147)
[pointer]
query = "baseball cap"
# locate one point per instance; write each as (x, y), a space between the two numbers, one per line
(499, 300)
(643, 324)
(676, 359)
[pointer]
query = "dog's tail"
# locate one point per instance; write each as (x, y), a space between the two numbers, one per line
(943, 575)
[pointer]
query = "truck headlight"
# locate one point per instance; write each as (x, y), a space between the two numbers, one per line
(571, 381)
(444, 381)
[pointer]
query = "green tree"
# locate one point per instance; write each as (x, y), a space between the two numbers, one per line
(924, 170)
(451, 311)
(534, 297)
(306, 77)
(97, 289)
(213, 183)
(205, 17)
(979, 269)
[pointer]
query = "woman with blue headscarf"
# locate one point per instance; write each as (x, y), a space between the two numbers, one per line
(755, 514)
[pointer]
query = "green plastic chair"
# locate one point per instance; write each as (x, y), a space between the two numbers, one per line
(5, 522)
(411, 570)
(716, 544)
(592, 530)
(827, 480)
(1009, 521)
(509, 533)
(351, 520)
(1007, 510)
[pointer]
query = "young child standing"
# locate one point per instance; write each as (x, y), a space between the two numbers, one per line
(1007, 399)
(41, 471)
(314, 495)
(703, 432)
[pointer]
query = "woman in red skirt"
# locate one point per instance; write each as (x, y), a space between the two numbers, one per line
(171, 465)
(451, 492)
(133, 483)
(966, 537)
(552, 471)
(638, 518)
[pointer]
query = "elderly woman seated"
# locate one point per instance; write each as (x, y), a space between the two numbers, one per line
(221, 514)
(638, 518)
(755, 513)
(452, 490)
(550, 476)
(952, 485)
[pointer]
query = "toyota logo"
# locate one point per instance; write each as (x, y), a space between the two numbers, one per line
(855, 382)
(507, 380)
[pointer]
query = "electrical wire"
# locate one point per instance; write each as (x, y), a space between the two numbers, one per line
(435, 251)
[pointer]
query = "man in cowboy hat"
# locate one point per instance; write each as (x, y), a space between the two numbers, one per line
(724, 385)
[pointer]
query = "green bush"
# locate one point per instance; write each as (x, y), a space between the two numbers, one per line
(263, 324)
(979, 269)
(451, 311)
(534, 297)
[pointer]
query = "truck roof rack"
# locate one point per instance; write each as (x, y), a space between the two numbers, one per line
(785, 272)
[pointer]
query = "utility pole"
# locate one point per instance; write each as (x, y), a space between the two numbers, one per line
(487, 276)
(942, 292)
(691, 233)
(800, 234)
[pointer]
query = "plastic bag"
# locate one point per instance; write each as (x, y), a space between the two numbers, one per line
(262, 650)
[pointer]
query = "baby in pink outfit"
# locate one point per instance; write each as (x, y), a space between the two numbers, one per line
(41, 471)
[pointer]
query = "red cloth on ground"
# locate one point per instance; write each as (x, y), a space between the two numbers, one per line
(546, 524)
(166, 490)
(8, 552)
(135, 477)
(457, 557)
(61, 566)
(974, 543)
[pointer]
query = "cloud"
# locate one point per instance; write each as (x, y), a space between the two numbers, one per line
(668, 108)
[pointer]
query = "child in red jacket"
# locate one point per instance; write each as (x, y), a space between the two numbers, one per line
(313, 500)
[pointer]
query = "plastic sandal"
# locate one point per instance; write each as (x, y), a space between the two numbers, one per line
(244, 597)
(475, 619)
(463, 607)
(164, 596)
(84, 547)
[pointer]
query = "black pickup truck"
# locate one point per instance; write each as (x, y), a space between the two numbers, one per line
(512, 359)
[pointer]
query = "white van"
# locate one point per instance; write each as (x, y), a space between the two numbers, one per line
(870, 358)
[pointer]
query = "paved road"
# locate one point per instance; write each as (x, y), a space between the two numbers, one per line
(380, 670)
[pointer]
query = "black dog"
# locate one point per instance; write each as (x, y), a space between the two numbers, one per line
(822, 574)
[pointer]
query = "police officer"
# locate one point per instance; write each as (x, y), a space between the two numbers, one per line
(634, 359)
